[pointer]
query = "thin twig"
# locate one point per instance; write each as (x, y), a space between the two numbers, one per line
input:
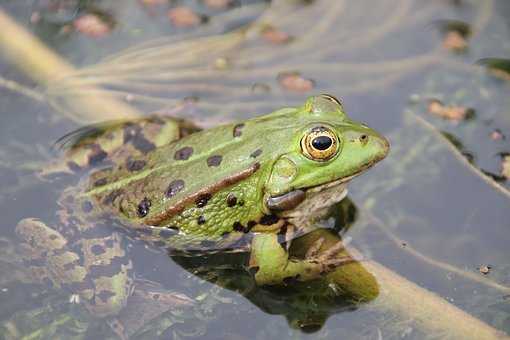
(458, 155)
(18, 88)
(442, 265)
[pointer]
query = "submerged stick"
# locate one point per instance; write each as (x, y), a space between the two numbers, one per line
(428, 310)
(392, 293)
(41, 64)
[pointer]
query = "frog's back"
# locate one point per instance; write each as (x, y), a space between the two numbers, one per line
(196, 183)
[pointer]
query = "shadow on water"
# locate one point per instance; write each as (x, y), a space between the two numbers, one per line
(305, 305)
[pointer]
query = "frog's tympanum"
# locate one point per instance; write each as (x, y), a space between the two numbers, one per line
(250, 186)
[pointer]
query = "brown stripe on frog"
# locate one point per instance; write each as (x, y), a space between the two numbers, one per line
(211, 190)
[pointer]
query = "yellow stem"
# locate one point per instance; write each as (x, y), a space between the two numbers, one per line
(41, 64)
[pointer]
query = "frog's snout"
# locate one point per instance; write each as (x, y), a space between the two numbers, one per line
(376, 146)
(383, 144)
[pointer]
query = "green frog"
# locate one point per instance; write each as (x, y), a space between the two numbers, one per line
(249, 186)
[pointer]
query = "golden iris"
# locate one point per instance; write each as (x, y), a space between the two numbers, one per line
(320, 144)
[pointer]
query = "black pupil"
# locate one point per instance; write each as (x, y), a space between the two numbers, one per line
(322, 142)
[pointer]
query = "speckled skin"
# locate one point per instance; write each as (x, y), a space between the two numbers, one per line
(203, 190)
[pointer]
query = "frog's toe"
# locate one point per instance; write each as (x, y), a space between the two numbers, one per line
(316, 253)
(315, 248)
(332, 252)
(333, 263)
(329, 259)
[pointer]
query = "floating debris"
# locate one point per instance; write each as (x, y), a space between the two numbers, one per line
(497, 135)
(275, 36)
(153, 2)
(485, 269)
(35, 18)
(453, 113)
(455, 41)
(184, 17)
(92, 25)
(456, 34)
(218, 4)
(293, 81)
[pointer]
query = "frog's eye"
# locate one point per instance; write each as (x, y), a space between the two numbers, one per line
(319, 144)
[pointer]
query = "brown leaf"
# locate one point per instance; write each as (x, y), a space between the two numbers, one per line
(453, 113)
(218, 4)
(455, 41)
(293, 81)
(92, 25)
(184, 17)
(275, 36)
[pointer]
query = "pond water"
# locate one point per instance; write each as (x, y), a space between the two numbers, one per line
(432, 76)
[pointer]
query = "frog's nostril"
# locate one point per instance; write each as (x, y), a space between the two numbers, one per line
(363, 139)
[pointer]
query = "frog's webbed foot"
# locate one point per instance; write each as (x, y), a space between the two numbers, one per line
(330, 258)
(272, 264)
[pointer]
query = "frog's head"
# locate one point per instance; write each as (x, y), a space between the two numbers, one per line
(327, 150)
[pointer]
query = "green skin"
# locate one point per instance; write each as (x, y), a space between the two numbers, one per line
(197, 191)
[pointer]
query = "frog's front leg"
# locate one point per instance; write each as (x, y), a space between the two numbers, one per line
(95, 271)
(273, 265)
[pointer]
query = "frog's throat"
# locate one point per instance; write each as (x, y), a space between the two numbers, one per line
(291, 200)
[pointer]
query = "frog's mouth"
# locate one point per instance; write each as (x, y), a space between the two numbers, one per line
(317, 196)
(342, 180)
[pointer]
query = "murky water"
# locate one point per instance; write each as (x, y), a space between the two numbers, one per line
(434, 212)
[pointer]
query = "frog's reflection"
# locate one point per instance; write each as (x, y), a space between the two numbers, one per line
(306, 305)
